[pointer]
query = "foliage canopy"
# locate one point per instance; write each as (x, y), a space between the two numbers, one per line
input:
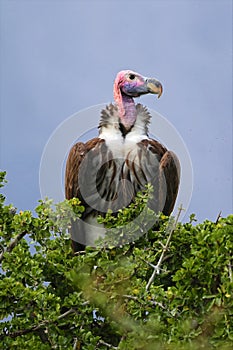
(101, 298)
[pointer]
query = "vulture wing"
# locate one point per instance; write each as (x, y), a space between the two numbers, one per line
(103, 182)
(79, 180)
(165, 175)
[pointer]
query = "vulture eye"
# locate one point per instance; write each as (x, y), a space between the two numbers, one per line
(132, 76)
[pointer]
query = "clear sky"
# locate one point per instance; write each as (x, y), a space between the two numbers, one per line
(58, 57)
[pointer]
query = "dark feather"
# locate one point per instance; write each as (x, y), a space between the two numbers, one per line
(102, 182)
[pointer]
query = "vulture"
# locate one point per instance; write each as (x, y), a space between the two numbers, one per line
(108, 171)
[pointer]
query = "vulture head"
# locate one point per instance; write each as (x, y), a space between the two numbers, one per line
(128, 85)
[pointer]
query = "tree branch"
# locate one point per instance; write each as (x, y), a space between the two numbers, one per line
(157, 267)
(218, 217)
(109, 346)
(75, 344)
(153, 302)
(41, 324)
(12, 244)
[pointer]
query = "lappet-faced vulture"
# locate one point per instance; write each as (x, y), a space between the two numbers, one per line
(108, 171)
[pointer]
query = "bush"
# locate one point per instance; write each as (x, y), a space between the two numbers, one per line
(170, 289)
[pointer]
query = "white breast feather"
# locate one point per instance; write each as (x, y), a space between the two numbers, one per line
(112, 135)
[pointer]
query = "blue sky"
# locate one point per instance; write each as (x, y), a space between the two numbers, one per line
(58, 57)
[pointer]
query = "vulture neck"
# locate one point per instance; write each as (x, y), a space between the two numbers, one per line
(111, 127)
(127, 109)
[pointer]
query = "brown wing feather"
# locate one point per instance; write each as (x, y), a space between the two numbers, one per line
(75, 173)
(170, 169)
(164, 175)
(74, 160)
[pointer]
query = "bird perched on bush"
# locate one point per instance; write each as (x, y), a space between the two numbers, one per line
(109, 170)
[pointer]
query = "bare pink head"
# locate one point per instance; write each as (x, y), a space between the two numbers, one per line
(128, 85)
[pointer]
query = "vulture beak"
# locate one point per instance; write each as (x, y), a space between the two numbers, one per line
(154, 86)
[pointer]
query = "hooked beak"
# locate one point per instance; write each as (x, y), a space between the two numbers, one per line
(154, 86)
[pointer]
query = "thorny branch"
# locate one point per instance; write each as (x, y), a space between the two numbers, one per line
(157, 267)
(12, 244)
(40, 325)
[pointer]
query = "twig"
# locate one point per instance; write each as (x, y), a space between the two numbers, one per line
(153, 302)
(126, 296)
(110, 346)
(12, 244)
(218, 217)
(230, 271)
(81, 252)
(41, 324)
(157, 267)
(75, 343)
